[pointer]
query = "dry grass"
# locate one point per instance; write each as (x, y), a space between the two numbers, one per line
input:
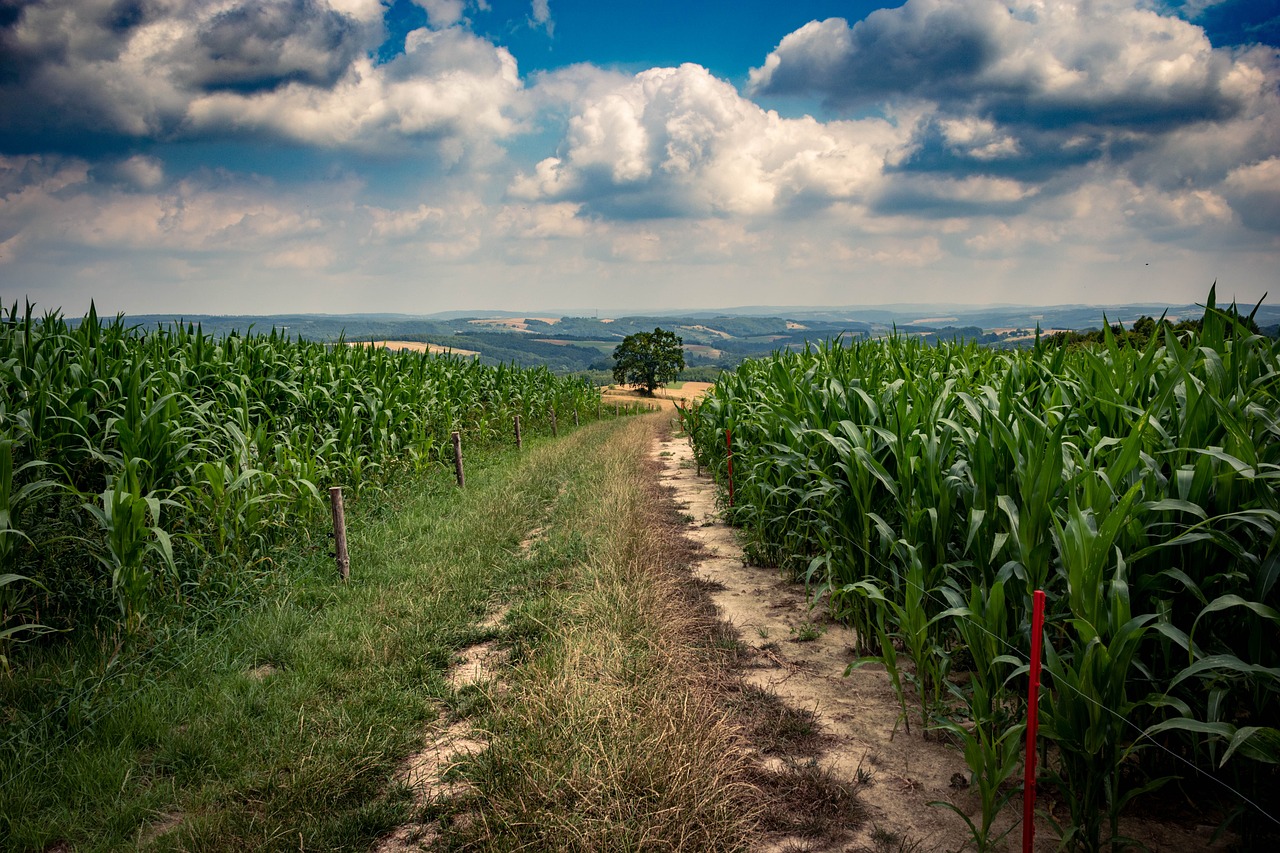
(614, 737)
(415, 346)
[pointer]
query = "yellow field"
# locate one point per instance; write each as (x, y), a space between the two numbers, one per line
(414, 346)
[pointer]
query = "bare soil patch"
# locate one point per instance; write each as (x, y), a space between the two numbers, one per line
(478, 664)
(425, 772)
(262, 672)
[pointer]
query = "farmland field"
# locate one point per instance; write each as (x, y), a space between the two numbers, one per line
(182, 664)
(183, 669)
(418, 346)
(128, 456)
(928, 491)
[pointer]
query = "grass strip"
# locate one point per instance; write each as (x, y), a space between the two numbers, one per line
(609, 735)
(279, 726)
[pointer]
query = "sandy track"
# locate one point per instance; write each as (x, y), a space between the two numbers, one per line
(859, 712)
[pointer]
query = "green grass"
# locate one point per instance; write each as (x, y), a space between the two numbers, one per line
(184, 727)
(281, 725)
(129, 456)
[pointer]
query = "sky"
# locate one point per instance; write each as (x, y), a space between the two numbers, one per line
(337, 156)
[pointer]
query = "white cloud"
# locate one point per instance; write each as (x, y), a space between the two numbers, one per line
(141, 171)
(398, 224)
(1009, 145)
(58, 205)
(540, 16)
(448, 83)
(1098, 63)
(978, 138)
(1254, 191)
(678, 141)
(443, 13)
(292, 69)
(543, 221)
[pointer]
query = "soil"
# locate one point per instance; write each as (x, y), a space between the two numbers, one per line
(799, 653)
(424, 771)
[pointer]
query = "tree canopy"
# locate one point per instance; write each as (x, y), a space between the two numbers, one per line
(648, 359)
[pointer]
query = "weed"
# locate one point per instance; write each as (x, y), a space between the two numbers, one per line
(807, 632)
(888, 841)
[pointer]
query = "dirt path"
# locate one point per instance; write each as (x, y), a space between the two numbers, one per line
(801, 654)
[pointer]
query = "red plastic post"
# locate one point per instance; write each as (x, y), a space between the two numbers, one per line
(1033, 725)
(728, 443)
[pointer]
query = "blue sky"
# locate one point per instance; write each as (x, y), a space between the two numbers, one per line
(230, 156)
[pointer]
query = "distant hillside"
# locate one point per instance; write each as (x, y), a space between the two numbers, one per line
(569, 344)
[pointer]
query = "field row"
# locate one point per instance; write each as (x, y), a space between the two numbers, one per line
(929, 491)
(143, 466)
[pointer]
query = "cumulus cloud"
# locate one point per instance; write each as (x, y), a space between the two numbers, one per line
(932, 195)
(140, 171)
(52, 201)
(974, 140)
(264, 45)
(389, 224)
(1027, 89)
(443, 13)
(447, 83)
(679, 142)
(1089, 64)
(1030, 92)
(1254, 191)
(82, 72)
(543, 221)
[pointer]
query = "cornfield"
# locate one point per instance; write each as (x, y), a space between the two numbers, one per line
(138, 464)
(929, 491)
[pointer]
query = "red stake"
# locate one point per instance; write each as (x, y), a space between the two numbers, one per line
(1033, 724)
(728, 443)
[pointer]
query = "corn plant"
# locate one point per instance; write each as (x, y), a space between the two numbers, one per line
(123, 514)
(105, 426)
(1087, 473)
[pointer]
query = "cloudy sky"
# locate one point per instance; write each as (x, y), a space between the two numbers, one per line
(260, 156)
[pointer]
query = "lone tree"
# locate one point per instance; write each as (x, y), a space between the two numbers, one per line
(648, 359)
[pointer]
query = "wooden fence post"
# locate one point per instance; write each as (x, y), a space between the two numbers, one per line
(575, 417)
(457, 458)
(339, 533)
(519, 440)
(554, 432)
